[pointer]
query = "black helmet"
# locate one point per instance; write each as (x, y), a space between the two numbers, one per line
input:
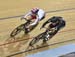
(54, 19)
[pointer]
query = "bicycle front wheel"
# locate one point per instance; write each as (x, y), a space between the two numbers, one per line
(17, 30)
(36, 39)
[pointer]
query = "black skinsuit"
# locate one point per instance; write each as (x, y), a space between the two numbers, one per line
(53, 19)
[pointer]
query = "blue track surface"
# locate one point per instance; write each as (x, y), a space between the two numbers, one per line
(55, 52)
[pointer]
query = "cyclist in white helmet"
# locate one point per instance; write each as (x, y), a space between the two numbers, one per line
(35, 15)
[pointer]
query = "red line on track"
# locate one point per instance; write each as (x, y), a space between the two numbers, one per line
(31, 38)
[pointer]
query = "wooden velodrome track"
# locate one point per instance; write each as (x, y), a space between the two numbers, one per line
(9, 8)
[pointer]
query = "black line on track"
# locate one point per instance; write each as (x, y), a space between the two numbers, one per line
(4, 18)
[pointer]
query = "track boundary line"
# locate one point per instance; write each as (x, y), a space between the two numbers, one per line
(31, 38)
(39, 47)
(67, 9)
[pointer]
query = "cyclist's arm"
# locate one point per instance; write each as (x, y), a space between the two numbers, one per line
(28, 14)
(35, 22)
(48, 21)
(24, 17)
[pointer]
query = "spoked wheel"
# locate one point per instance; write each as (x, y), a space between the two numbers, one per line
(20, 28)
(36, 39)
(17, 30)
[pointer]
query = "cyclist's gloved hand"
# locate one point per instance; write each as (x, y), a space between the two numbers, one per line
(25, 19)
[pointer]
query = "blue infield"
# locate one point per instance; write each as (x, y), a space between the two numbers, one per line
(56, 52)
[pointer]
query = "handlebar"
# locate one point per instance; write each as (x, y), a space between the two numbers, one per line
(25, 19)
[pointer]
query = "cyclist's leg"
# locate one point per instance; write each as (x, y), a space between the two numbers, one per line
(30, 28)
(26, 28)
(58, 28)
